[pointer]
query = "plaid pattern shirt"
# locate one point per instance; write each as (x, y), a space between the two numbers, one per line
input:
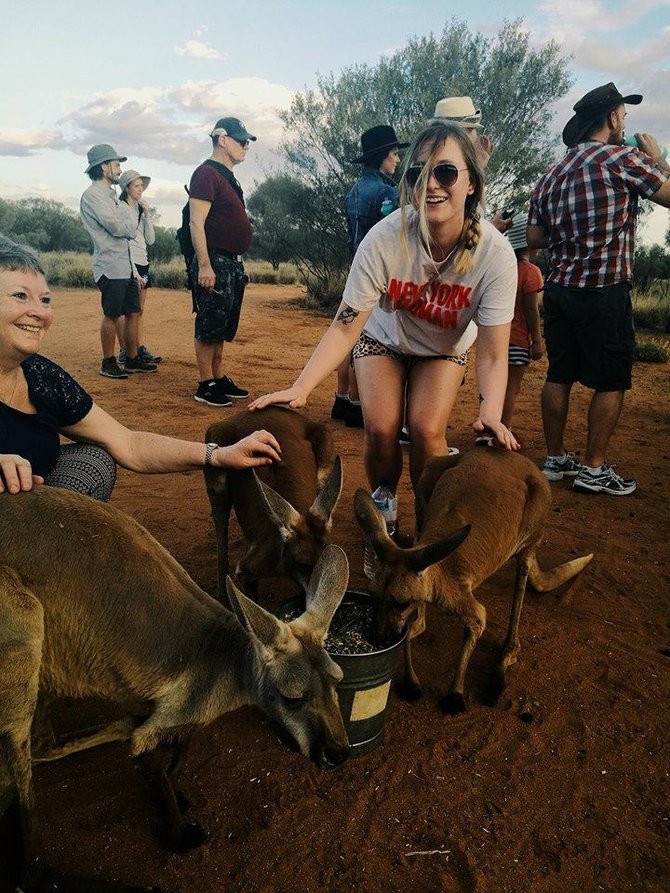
(587, 205)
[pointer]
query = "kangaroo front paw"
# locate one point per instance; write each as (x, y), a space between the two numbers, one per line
(190, 836)
(453, 703)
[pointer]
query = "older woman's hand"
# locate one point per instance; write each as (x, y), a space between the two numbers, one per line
(16, 474)
(502, 435)
(259, 448)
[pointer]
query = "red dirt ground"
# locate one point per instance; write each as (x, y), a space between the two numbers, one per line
(571, 797)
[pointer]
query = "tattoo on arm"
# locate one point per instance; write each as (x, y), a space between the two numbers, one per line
(347, 315)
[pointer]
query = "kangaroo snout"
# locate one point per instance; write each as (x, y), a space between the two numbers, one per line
(329, 756)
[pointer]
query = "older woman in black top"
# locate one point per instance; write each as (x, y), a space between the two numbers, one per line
(39, 401)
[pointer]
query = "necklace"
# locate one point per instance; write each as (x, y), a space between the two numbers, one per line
(16, 381)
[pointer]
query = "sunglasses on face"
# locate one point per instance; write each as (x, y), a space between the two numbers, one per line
(445, 173)
(244, 143)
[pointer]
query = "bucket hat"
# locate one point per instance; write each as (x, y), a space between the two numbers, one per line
(100, 153)
(591, 107)
(233, 128)
(517, 231)
(457, 110)
(127, 178)
(375, 140)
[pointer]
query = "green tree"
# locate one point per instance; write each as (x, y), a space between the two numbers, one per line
(45, 224)
(165, 247)
(511, 82)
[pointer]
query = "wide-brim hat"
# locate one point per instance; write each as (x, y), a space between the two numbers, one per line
(376, 140)
(127, 178)
(100, 153)
(591, 107)
(233, 128)
(517, 231)
(457, 110)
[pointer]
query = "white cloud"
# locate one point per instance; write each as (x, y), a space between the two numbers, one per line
(618, 59)
(17, 142)
(195, 49)
(568, 21)
(172, 124)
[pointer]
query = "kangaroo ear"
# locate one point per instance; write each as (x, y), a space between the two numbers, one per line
(372, 521)
(326, 589)
(420, 557)
(267, 628)
(280, 512)
(326, 499)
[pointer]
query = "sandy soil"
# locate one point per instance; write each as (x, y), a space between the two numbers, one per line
(561, 787)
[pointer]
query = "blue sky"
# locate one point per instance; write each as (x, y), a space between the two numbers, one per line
(152, 77)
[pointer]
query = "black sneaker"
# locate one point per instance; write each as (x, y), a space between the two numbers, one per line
(228, 387)
(354, 416)
(110, 368)
(137, 364)
(403, 437)
(207, 393)
(147, 355)
(339, 410)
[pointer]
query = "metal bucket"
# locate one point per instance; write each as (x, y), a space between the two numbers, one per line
(364, 691)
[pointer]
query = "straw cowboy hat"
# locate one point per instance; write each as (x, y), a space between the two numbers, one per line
(375, 140)
(457, 110)
(591, 108)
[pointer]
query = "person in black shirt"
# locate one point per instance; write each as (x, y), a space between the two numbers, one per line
(39, 401)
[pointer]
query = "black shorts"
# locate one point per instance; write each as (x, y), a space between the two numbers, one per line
(143, 270)
(119, 296)
(590, 336)
(217, 312)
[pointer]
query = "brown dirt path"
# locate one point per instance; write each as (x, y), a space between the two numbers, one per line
(575, 798)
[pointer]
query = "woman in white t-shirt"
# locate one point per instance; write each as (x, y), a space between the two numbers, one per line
(133, 186)
(424, 284)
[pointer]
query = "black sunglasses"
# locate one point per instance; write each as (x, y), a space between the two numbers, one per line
(244, 143)
(445, 173)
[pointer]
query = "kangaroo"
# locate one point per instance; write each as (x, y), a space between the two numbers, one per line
(474, 513)
(285, 510)
(92, 605)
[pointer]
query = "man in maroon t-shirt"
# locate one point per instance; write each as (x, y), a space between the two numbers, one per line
(221, 233)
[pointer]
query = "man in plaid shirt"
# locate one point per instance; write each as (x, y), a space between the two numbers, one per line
(584, 211)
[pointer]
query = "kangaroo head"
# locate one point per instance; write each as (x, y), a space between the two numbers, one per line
(400, 583)
(295, 677)
(304, 537)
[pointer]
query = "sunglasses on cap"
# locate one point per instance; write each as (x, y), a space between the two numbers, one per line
(445, 173)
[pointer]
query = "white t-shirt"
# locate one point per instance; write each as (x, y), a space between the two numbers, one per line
(385, 278)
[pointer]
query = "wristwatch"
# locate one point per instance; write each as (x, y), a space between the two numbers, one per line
(209, 452)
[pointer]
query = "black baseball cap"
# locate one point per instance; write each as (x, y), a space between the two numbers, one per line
(232, 127)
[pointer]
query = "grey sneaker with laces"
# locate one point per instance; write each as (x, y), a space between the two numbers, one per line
(606, 481)
(147, 355)
(556, 470)
(109, 368)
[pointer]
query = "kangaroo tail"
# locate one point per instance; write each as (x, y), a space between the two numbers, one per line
(545, 581)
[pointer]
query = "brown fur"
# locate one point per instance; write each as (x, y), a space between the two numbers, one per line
(285, 509)
(474, 513)
(92, 604)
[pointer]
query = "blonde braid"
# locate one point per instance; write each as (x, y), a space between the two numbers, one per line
(470, 237)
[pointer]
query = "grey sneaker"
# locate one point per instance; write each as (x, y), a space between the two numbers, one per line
(555, 470)
(110, 368)
(147, 355)
(137, 364)
(607, 481)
